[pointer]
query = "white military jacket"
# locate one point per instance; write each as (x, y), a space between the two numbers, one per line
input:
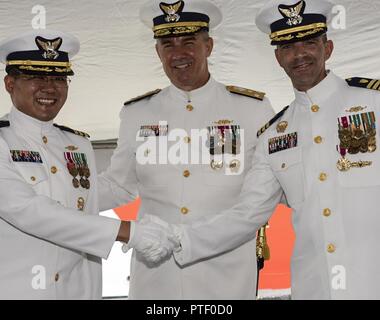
(335, 213)
(51, 237)
(178, 189)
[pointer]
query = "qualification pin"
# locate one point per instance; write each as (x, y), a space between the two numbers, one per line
(281, 126)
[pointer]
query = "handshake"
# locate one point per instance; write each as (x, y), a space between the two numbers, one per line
(153, 239)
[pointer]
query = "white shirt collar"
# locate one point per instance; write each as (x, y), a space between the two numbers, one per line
(24, 123)
(194, 94)
(321, 92)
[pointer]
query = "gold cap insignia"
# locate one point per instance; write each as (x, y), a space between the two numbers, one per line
(172, 10)
(293, 13)
(49, 46)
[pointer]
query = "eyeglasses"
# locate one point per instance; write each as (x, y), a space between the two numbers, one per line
(40, 81)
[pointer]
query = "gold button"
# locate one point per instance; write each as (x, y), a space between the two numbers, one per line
(283, 166)
(33, 178)
(323, 176)
(56, 278)
(187, 139)
(186, 173)
(53, 170)
(189, 107)
(44, 139)
(314, 108)
(146, 152)
(318, 139)
(331, 248)
(327, 212)
(184, 210)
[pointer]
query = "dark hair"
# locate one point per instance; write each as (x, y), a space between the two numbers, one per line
(14, 72)
(324, 37)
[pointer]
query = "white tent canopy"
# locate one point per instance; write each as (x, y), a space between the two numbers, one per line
(117, 60)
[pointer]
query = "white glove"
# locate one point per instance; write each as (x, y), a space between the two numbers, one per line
(152, 238)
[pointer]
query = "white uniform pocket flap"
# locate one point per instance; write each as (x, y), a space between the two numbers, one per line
(284, 160)
(32, 173)
(287, 166)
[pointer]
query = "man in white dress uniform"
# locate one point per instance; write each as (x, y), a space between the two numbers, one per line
(51, 237)
(321, 153)
(180, 179)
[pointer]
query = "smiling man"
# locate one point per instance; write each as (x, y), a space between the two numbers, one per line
(184, 59)
(179, 178)
(321, 153)
(51, 237)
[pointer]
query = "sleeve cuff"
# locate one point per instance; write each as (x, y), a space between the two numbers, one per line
(183, 254)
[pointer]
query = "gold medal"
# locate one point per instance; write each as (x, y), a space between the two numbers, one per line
(86, 172)
(353, 150)
(83, 182)
(371, 147)
(216, 165)
(371, 132)
(234, 165)
(355, 141)
(363, 145)
(372, 143)
(75, 183)
(371, 140)
(345, 132)
(345, 144)
(358, 133)
(73, 172)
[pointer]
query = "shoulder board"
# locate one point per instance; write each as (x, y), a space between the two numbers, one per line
(4, 124)
(67, 129)
(142, 97)
(246, 92)
(366, 83)
(271, 121)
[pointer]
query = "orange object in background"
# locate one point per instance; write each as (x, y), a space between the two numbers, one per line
(280, 236)
(129, 211)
